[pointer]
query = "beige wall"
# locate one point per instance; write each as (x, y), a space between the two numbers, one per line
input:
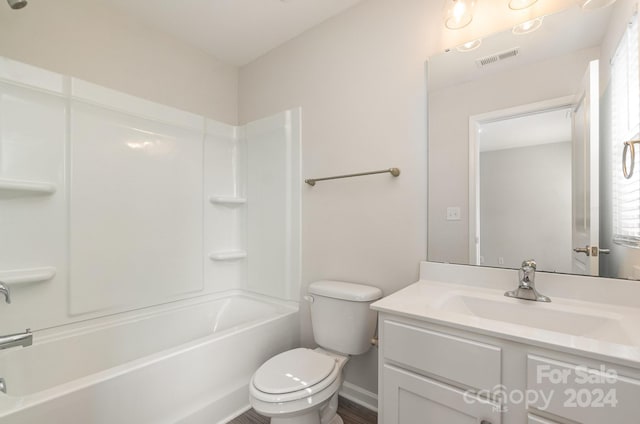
(86, 40)
(360, 79)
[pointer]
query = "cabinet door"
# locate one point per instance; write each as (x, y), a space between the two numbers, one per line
(410, 398)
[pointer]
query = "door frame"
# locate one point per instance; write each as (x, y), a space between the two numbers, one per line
(475, 121)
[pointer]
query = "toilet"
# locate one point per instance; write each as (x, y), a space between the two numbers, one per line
(301, 386)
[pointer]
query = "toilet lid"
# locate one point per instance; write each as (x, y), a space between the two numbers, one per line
(293, 370)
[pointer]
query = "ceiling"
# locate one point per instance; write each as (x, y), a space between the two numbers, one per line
(547, 127)
(234, 31)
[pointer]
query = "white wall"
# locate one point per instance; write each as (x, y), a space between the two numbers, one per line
(87, 40)
(449, 137)
(525, 206)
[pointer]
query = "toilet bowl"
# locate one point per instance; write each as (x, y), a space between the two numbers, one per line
(301, 386)
(299, 383)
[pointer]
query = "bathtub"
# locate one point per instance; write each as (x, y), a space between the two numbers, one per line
(187, 363)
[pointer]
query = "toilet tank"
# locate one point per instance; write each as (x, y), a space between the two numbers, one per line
(341, 317)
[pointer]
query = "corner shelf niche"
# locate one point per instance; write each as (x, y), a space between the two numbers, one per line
(227, 200)
(15, 188)
(25, 276)
(228, 255)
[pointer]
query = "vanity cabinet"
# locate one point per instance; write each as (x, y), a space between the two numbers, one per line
(435, 374)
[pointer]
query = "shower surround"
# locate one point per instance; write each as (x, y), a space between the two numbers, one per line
(112, 206)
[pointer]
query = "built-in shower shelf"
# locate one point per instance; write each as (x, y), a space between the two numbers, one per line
(25, 276)
(12, 188)
(227, 200)
(230, 255)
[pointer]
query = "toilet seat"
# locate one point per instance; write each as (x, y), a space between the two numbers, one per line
(293, 370)
(295, 374)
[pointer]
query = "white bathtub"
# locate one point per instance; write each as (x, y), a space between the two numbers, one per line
(186, 363)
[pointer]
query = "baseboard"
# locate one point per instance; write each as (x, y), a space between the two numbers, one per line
(362, 397)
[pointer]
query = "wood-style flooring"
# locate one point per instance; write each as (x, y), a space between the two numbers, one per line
(350, 412)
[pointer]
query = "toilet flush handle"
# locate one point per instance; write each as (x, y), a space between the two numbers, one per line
(309, 299)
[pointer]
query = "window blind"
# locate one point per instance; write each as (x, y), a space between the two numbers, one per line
(625, 119)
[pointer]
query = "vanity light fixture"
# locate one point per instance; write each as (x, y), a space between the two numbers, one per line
(595, 4)
(469, 46)
(17, 4)
(521, 4)
(458, 13)
(528, 27)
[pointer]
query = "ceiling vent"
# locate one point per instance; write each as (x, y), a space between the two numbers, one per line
(497, 57)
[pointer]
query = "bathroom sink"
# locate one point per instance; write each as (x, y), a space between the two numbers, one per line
(586, 316)
(557, 317)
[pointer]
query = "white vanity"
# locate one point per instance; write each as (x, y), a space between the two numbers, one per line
(455, 350)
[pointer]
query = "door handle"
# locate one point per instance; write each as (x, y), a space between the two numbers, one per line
(586, 250)
(592, 251)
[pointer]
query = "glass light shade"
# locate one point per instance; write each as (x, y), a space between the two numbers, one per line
(469, 46)
(521, 4)
(527, 27)
(458, 13)
(595, 4)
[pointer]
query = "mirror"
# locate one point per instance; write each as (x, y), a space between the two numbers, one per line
(525, 148)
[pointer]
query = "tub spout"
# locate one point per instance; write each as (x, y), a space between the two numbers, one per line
(19, 339)
(3, 386)
(4, 289)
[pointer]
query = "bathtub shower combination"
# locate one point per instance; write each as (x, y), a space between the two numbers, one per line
(154, 253)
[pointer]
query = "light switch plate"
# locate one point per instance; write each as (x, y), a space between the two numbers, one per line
(453, 213)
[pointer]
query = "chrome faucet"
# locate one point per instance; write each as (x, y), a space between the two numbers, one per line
(527, 286)
(4, 289)
(12, 340)
(19, 339)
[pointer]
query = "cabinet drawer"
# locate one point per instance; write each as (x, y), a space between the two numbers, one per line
(586, 395)
(533, 419)
(468, 362)
(410, 399)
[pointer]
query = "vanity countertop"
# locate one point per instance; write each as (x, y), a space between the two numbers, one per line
(600, 330)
